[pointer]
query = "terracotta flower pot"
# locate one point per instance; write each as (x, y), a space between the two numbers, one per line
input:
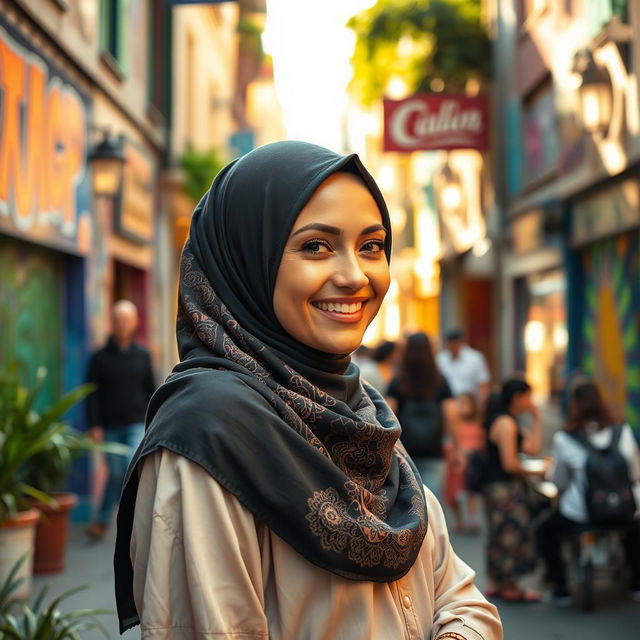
(17, 536)
(52, 533)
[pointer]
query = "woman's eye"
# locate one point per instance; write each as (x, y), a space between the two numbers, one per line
(373, 246)
(316, 247)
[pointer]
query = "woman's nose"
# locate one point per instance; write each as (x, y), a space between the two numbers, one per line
(349, 274)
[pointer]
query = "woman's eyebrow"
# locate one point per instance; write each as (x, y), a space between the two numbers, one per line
(318, 226)
(372, 228)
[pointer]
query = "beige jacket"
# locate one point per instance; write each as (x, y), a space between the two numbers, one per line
(204, 567)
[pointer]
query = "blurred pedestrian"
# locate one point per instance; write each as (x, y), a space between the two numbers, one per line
(589, 417)
(511, 550)
(464, 368)
(379, 370)
(361, 355)
(423, 402)
(122, 373)
(471, 436)
(269, 498)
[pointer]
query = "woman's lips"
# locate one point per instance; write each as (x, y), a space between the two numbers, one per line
(341, 311)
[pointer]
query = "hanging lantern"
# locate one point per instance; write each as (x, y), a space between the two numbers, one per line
(595, 94)
(107, 163)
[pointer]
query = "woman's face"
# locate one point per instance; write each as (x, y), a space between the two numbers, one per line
(334, 272)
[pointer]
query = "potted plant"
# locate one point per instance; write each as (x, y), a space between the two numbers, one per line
(24, 434)
(47, 471)
(38, 622)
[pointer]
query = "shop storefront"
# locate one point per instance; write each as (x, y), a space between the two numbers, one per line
(45, 213)
(605, 304)
(536, 290)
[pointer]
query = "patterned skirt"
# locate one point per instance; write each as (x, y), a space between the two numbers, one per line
(511, 551)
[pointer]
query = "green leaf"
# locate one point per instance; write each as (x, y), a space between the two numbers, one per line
(11, 583)
(200, 168)
(36, 494)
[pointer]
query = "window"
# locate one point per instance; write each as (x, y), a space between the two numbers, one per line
(113, 20)
(598, 13)
(158, 50)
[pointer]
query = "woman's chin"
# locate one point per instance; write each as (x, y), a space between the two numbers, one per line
(338, 347)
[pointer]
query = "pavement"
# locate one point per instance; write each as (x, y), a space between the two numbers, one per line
(615, 616)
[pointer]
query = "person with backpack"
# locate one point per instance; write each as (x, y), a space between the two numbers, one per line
(421, 398)
(596, 467)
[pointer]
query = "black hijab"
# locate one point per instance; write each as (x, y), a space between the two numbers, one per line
(289, 430)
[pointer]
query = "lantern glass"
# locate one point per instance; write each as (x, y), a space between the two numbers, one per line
(451, 195)
(107, 163)
(106, 176)
(596, 106)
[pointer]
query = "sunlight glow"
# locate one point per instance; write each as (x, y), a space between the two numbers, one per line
(311, 48)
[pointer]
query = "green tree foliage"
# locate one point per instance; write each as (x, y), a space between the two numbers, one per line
(418, 41)
(200, 168)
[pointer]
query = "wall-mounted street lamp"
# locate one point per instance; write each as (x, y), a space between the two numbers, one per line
(107, 160)
(595, 90)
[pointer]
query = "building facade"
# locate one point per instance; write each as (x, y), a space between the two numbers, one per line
(568, 171)
(223, 104)
(72, 73)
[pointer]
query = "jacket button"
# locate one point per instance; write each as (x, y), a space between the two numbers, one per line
(406, 601)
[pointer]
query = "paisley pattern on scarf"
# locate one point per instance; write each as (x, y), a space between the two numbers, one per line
(358, 527)
(349, 518)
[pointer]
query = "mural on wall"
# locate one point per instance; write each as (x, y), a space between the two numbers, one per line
(31, 330)
(45, 189)
(611, 343)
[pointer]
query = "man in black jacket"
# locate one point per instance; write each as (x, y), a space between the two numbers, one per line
(122, 373)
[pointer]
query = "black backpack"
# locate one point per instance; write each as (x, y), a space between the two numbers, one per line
(608, 493)
(422, 428)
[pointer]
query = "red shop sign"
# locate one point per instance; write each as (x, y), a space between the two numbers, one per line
(428, 122)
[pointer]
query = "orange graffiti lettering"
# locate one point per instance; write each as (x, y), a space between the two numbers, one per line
(42, 142)
(75, 147)
(12, 83)
(55, 150)
(30, 175)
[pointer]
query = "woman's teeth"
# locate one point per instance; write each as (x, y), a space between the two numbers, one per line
(338, 307)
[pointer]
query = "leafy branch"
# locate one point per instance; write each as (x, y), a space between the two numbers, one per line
(419, 42)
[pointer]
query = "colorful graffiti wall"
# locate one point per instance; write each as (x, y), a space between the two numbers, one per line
(44, 182)
(610, 337)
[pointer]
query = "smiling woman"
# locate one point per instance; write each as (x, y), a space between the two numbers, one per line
(271, 488)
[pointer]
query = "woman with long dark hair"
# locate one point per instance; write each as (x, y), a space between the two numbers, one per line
(510, 549)
(423, 402)
(270, 498)
(590, 418)
(379, 368)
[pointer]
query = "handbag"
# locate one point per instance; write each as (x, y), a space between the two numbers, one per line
(476, 471)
